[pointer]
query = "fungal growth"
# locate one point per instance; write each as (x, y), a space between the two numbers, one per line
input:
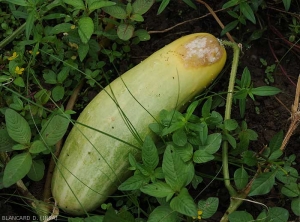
(201, 51)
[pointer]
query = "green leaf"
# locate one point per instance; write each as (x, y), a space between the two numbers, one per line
(231, 140)
(60, 28)
(29, 23)
(184, 204)
(116, 11)
(287, 175)
(18, 2)
(149, 153)
(190, 110)
(142, 6)
(163, 214)
(162, 6)
(83, 50)
(190, 3)
(17, 103)
(142, 34)
(100, 4)
(36, 172)
(20, 147)
(205, 111)
(19, 82)
(85, 29)
(230, 124)
(229, 27)
(278, 214)
(96, 218)
(249, 158)
(213, 143)
(50, 77)
(179, 137)
(290, 190)
(137, 17)
(16, 169)
(174, 169)
(240, 216)
(241, 178)
(295, 205)
(263, 184)
(54, 129)
(134, 182)
(265, 91)
(63, 74)
(77, 4)
(230, 3)
(172, 128)
(158, 189)
(276, 141)
(208, 207)
(125, 31)
(185, 152)
(203, 133)
(287, 4)
(201, 156)
(17, 127)
(58, 93)
(6, 142)
(247, 12)
(37, 147)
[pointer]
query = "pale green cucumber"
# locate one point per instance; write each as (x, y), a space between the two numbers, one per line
(91, 164)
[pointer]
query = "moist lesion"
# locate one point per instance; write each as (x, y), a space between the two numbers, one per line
(201, 51)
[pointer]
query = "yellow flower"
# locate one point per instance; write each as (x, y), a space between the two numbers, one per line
(73, 26)
(15, 55)
(200, 212)
(19, 70)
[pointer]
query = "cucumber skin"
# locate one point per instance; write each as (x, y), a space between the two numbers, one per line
(93, 164)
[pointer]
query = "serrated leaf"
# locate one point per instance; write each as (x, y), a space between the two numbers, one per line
(116, 11)
(174, 169)
(241, 178)
(77, 4)
(201, 156)
(85, 29)
(158, 189)
(63, 74)
(54, 129)
(295, 205)
(263, 184)
(16, 169)
(163, 214)
(142, 6)
(58, 93)
(125, 31)
(240, 216)
(36, 172)
(6, 142)
(208, 207)
(179, 137)
(17, 127)
(37, 147)
(184, 204)
(83, 50)
(149, 153)
(134, 182)
(100, 4)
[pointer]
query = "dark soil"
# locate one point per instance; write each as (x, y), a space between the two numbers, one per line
(266, 115)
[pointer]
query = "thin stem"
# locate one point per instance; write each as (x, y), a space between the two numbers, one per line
(11, 37)
(235, 60)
